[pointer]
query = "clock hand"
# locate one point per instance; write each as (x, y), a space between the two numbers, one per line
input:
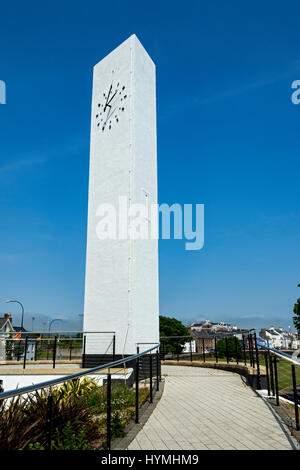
(106, 104)
(109, 115)
(112, 98)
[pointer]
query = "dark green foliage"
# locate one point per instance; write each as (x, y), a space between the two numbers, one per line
(79, 416)
(172, 327)
(233, 344)
(23, 420)
(36, 446)
(296, 317)
(67, 439)
(117, 425)
(123, 398)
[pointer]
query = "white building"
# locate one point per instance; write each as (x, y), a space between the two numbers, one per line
(278, 338)
(5, 328)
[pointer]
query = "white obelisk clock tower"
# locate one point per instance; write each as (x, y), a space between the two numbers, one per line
(121, 285)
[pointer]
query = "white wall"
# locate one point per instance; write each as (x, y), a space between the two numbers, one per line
(121, 288)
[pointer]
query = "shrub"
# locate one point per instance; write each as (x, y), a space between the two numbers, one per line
(68, 440)
(23, 419)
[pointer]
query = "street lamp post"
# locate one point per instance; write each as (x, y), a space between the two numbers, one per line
(52, 321)
(50, 324)
(18, 302)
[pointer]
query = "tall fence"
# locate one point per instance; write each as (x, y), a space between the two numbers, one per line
(76, 412)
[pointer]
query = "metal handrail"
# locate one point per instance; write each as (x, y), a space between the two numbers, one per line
(51, 383)
(279, 353)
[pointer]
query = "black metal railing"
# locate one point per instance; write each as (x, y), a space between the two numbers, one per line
(28, 347)
(283, 379)
(45, 393)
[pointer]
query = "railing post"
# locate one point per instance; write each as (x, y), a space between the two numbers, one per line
(295, 397)
(70, 357)
(151, 382)
(252, 352)
(250, 349)
(137, 365)
(226, 347)
(83, 351)
(236, 350)
(114, 348)
(276, 380)
(203, 349)
(49, 417)
(108, 412)
(25, 352)
(267, 372)
(191, 351)
(216, 350)
(244, 350)
(54, 351)
(257, 364)
(157, 371)
(271, 373)
(35, 349)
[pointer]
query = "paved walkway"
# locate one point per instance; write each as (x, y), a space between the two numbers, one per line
(210, 409)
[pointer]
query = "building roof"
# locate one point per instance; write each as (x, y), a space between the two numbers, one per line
(2, 322)
(18, 329)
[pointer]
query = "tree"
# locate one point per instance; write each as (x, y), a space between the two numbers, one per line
(172, 327)
(233, 344)
(296, 318)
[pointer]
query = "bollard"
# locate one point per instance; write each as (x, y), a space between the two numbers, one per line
(191, 351)
(203, 349)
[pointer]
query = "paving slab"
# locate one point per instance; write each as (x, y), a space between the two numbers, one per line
(211, 409)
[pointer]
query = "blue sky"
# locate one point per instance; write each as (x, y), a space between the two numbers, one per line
(228, 137)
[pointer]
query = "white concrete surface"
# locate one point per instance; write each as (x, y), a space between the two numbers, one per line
(121, 286)
(11, 382)
(210, 409)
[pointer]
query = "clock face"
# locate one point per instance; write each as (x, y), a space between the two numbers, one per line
(111, 106)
